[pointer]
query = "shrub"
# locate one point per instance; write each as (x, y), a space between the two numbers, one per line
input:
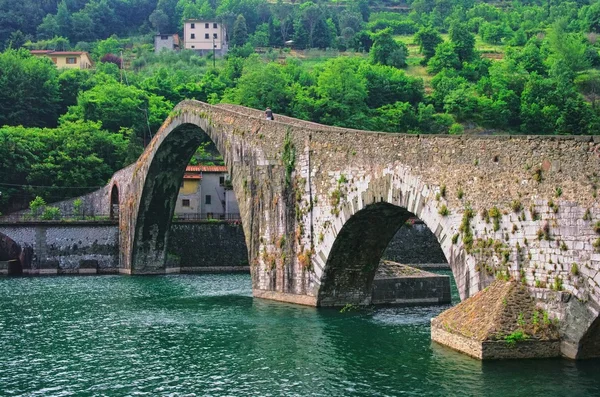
(516, 336)
(455, 238)
(495, 214)
(51, 213)
(456, 129)
(516, 206)
(111, 58)
(574, 269)
(37, 205)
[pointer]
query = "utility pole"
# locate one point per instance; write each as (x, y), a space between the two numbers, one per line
(214, 60)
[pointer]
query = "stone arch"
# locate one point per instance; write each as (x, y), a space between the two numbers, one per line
(11, 252)
(157, 176)
(114, 202)
(367, 221)
(589, 345)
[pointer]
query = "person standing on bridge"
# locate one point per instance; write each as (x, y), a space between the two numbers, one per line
(269, 114)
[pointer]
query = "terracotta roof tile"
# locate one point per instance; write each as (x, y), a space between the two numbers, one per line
(57, 52)
(206, 168)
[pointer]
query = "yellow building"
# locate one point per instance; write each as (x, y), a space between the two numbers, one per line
(66, 59)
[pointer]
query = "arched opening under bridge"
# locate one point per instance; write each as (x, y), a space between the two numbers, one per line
(356, 254)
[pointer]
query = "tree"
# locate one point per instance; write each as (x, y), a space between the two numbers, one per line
(463, 41)
(529, 57)
(109, 46)
(71, 82)
(428, 39)
(83, 27)
(592, 17)
(116, 106)
(445, 57)
(387, 85)
(567, 47)
(78, 154)
(387, 51)
(283, 12)
(63, 19)
(28, 90)
(261, 85)
(365, 10)
(260, 38)
(240, 31)
(493, 33)
(396, 117)
(342, 92)
(48, 28)
(160, 21)
(16, 40)
(311, 14)
(74, 154)
(443, 84)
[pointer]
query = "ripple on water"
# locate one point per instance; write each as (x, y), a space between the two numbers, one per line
(205, 335)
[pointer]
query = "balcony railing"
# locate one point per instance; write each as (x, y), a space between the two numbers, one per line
(235, 217)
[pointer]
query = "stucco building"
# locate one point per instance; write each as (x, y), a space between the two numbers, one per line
(168, 42)
(203, 36)
(66, 59)
(206, 193)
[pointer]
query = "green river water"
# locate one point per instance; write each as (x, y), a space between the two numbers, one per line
(204, 335)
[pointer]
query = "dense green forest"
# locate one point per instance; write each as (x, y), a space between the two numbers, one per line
(423, 66)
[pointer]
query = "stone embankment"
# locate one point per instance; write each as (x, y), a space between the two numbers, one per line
(92, 247)
(397, 284)
(499, 322)
(49, 248)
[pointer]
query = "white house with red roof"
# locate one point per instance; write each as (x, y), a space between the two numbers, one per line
(206, 193)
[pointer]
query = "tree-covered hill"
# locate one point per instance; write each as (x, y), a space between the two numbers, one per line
(423, 66)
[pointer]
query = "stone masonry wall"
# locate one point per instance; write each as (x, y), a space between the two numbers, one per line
(195, 246)
(64, 247)
(552, 180)
(208, 246)
(415, 244)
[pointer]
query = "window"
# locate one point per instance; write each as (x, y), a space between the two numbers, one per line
(164, 37)
(193, 46)
(185, 203)
(207, 199)
(193, 36)
(214, 35)
(206, 26)
(206, 36)
(193, 26)
(221, 180)
(214, 25)
(71, 61)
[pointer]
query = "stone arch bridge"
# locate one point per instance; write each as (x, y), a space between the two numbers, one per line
(319, 205)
